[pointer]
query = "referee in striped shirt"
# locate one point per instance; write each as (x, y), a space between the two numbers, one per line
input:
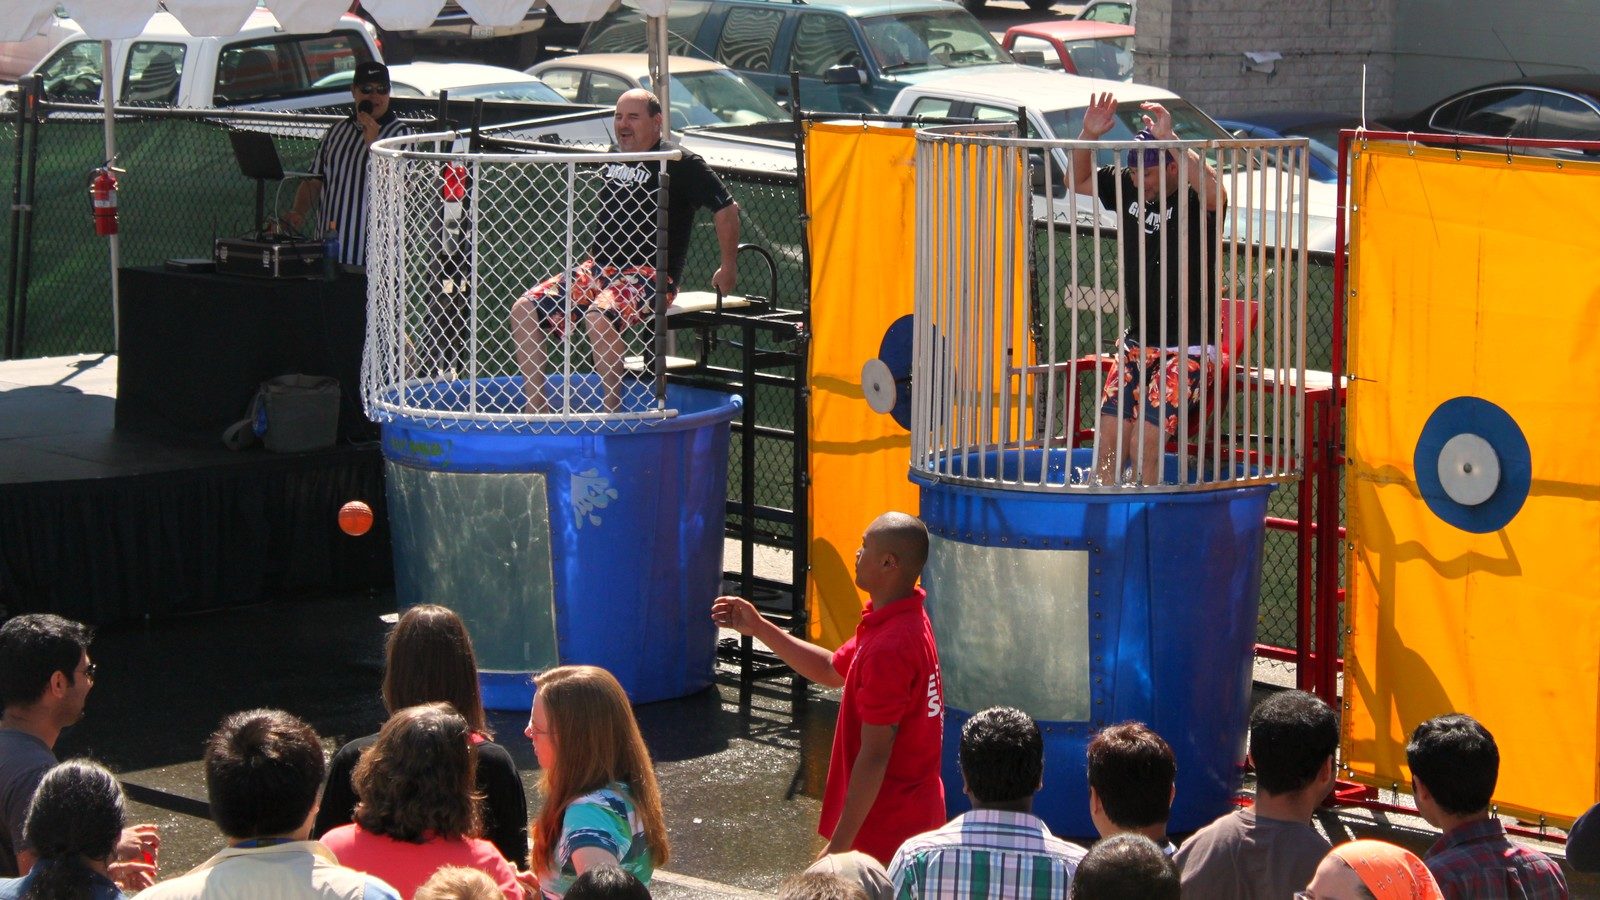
(339, 171)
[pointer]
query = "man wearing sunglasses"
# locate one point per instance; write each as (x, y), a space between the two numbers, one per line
(339, 170)
(1168, 240)
(45, 678)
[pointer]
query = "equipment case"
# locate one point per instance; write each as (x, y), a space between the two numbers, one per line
(269, 259)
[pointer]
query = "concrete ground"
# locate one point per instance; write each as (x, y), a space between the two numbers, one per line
(741, 776)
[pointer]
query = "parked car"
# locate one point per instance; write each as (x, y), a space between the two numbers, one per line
(464, 81)
(1117, 12)
(1320, 128)
(852, 55)
(1054, 107)
(261, 66)
(1074, 46)
(17, 58)
(1551, 107)
(701, 92)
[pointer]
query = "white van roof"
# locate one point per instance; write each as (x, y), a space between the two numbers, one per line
(1041, 88)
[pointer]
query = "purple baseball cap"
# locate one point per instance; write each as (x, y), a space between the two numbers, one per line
(1148, 157)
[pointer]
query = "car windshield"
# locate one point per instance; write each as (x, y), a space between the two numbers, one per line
(937, 39)
(1188, 123)
(718, 97)
(519, 91)
(1109, 58)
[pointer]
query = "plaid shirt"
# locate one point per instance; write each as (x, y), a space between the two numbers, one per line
(1476, 861)
(985, 854)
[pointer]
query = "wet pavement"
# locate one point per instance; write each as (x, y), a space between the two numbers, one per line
(741, 776)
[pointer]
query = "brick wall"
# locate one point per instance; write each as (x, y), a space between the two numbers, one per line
(1196, 48)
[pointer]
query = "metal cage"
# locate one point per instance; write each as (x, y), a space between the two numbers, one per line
(1025, 327)
(515, 290)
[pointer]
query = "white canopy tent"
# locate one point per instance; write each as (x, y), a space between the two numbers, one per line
(110, 20)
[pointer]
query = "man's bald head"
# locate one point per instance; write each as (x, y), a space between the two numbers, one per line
(637, 121)
(893, 551)
(905, 536)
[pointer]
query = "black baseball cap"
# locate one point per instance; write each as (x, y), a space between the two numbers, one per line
(371, 72)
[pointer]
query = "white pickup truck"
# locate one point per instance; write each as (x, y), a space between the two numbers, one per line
(261, 67)
(1054, 109)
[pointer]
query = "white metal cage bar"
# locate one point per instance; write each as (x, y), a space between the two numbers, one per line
(1108, 326)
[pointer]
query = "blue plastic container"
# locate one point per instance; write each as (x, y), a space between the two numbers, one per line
(1086, 610)
(599, 545)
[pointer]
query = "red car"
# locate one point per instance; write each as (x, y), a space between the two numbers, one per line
(1074, 46)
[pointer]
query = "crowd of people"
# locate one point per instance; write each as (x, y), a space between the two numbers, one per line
(432, 807)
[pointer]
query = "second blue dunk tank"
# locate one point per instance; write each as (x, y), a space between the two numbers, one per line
(593, 543)
(1089, 609)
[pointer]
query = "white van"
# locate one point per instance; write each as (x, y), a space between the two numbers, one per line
(261, 67)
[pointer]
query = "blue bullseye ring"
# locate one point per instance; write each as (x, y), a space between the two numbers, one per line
(1473, 416)
(895, 351)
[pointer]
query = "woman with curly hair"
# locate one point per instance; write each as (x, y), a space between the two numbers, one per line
(429, 659)
(601, 803)
(417, 811)
(74, 823)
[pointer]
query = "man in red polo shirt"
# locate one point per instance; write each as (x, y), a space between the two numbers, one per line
(883, 777)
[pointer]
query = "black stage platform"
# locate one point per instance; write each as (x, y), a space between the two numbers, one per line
(104, 525)
(196, 346)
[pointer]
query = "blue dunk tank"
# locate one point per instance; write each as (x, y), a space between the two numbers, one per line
(567, 514)
(1077, 571)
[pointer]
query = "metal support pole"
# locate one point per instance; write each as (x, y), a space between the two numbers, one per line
(657, 39)
(19, 210)
(108, 101)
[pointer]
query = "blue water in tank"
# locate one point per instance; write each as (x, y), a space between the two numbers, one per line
(566, 543)
(1086, 610)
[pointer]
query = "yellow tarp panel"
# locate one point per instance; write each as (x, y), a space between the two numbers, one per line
(1473, 276)
(982, 314)
(860, 192)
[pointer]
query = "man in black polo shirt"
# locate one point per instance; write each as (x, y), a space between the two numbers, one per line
(1168, 271)
(615, 288)
(339, 170)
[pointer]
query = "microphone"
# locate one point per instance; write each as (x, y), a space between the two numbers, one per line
(364, 106)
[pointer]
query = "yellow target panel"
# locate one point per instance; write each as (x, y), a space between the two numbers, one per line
(860, 193)
(1474, 449)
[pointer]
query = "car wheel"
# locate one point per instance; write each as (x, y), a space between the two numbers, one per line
(1040, 5)
(528, 49)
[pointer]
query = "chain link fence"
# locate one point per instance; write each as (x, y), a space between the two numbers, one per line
(183, 189)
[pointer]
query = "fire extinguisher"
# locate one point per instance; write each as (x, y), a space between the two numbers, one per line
(453, 192)
(103, 193)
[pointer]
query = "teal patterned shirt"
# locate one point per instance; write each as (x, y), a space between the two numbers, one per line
(607, 820)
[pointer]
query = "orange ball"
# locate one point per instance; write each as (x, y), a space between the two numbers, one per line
(355, 518)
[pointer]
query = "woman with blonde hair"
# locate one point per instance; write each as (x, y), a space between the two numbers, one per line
(429, 659)
(418, 812)
(601, 804)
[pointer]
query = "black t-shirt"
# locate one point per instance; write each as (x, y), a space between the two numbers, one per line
(1152, 219)
(625, 227)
